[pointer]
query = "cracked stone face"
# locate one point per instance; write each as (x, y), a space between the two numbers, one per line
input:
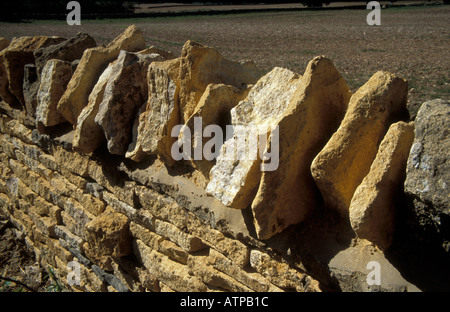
(427, 173)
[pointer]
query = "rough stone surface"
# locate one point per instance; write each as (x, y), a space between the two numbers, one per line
(428, 173)
(124, 93)
(148, 225)
(342, 164)
(153, 125)
(253, 280)
(281, 274)
(92, 64)
(200, 266)
(372, 210)
(214, 109)
(68, 50)
(287, 194)
(54, 79)
(171, 273)
(234, 181)
(167, 55)
(16, 56)
(88, 134)
(108, 238)
(202, 65)
(30, 89)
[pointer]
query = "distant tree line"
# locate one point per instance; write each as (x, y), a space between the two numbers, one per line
(13, 10)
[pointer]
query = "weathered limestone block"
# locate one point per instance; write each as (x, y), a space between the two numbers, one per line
(201, 267)
(88, 134)
(90, 280)
(169, 272)
(214, 109)
(61, 252)
(22, 221)
(108, 238)
(166, 209)
(113, 283)
(140, 216)
(4, 43)
(7, 148)
(92, 64)
(235, 177)
(23, 173)
(42, 207)
(15, 61)
(287, 194)
(15, 57)
(153, 125)
(75, 163)
(200, 66)
(345, 160)
(25, 193)
(372, 209)
(281, 274)
(15, 129)
(5, 94)
(68, 50)
(428, 173)
(187, 242)
(159, 243)
(66, 235)
(30, 89)
(54, 79)
(167, 55)
(148, 237)
(74, 216)
(252, 280)
(148, 280)
(128, 277)
(45, 224)
(124, 93)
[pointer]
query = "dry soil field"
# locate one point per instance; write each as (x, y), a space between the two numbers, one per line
(413, 42)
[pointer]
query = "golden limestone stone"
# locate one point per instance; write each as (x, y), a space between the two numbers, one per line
(213, 108)
(12, 62)
(201, 66)
(345, 160)
(4, 43)
(88, 134)
(372, 209)
(54, 78)
(124, 93)
(287, 194)
(233, 179)
(108, 238)
(91, 66)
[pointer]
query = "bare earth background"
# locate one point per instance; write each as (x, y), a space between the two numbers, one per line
(413, 42)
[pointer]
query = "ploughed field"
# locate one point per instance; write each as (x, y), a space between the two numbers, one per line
(412, 42)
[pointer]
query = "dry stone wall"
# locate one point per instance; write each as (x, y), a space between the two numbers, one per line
(88, 172)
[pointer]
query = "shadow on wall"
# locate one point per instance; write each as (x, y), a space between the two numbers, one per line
(418, 255)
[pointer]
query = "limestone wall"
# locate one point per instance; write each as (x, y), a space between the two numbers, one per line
(88, 172)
